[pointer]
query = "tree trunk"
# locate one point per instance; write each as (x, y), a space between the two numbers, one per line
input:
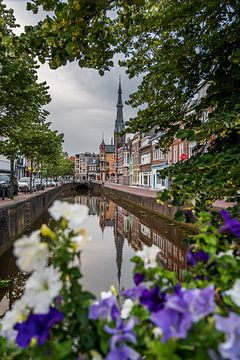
(31, 165)
(11, 178)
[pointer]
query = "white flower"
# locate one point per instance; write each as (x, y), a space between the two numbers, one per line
(226, 253)
(95, 355)
(31, 253)
(79, 242)
(234, 293)
(74, 213)
(126, 308)
(41, 288)
(157, 332)
(17, 314)
(106, 294)
(148, 255)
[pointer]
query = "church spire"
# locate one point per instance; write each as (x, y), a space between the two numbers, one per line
(119, 141)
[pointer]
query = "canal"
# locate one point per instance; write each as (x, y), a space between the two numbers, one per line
(117, 231)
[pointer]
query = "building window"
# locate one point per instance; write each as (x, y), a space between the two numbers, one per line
(145, 158)
(181, 149)
(191, 148)
(175, 153)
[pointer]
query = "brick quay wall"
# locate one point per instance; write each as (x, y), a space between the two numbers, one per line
(138, 198)
(17, 216)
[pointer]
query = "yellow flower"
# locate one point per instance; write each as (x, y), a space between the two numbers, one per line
(46, 231)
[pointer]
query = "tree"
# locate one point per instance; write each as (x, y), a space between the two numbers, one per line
(175, 46)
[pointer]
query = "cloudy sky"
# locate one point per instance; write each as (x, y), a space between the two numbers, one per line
(83, 103)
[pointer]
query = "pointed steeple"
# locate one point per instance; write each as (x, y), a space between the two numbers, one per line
(119, 123)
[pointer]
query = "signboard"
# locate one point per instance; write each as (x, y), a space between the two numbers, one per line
(183, 157)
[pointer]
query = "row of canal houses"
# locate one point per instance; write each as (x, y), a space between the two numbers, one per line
(137, 160)
(141, 159)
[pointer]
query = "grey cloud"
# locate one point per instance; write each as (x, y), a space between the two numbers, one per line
(83, 103)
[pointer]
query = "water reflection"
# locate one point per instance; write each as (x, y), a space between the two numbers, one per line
(117, 231)
(135, 228)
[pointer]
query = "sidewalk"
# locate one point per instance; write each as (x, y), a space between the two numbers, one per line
(20, 197)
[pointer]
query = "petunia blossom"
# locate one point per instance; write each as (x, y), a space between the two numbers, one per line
(121, 335)
(75, 214)
(230, 225)
(31, 253)
(149, 254)
(133, 293)
(234, 293)
(106, 308)
(153, 299)
(182, 309)
(41, 288)
(37, 326)
(138, 278)
(194, 257)
(230, 325)
(18, 313)
(126, 308)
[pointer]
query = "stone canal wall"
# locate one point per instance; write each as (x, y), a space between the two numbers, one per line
(144, 202)
(18, 216)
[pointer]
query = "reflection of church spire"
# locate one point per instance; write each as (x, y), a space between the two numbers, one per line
(119, 241)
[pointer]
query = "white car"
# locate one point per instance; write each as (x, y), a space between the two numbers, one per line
(24, 184)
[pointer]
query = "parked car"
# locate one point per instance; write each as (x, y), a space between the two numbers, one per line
(24, 184)
(5, 184)
(40, 184)
(51, 182)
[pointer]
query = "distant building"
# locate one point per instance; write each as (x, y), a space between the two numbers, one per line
(107, 162)
(82, 162)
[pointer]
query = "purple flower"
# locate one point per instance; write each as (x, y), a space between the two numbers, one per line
(38, 326)
(200, 302)
(194, 257)
(173, 323)
(138, 278)
(154, 299)
(133, 293)
(230, 349)
(182, 309)
(120, 335)
(230, 225)
(105, 308)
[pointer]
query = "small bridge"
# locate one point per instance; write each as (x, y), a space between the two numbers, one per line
(82, 185)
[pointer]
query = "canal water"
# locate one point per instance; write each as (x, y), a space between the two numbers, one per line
(117, 231)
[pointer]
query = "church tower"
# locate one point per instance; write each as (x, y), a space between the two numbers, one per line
(119, 140)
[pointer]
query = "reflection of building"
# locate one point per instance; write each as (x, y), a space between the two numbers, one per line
(106, 213)
(138, 229)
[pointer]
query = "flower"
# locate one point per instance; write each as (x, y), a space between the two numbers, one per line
(174, 323)
(37, 326)
(154, 299)
(31, 253)
(18, 313)
(138, 278)
(120, 335)
(133, 293)
(230, 225)
(41, 288)
(73, 213)
(126, 308)
(148, 255)
(78, 242)
(234, 293)
(106, 308)
(194, 257)
(182, 309)
(230, 349)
